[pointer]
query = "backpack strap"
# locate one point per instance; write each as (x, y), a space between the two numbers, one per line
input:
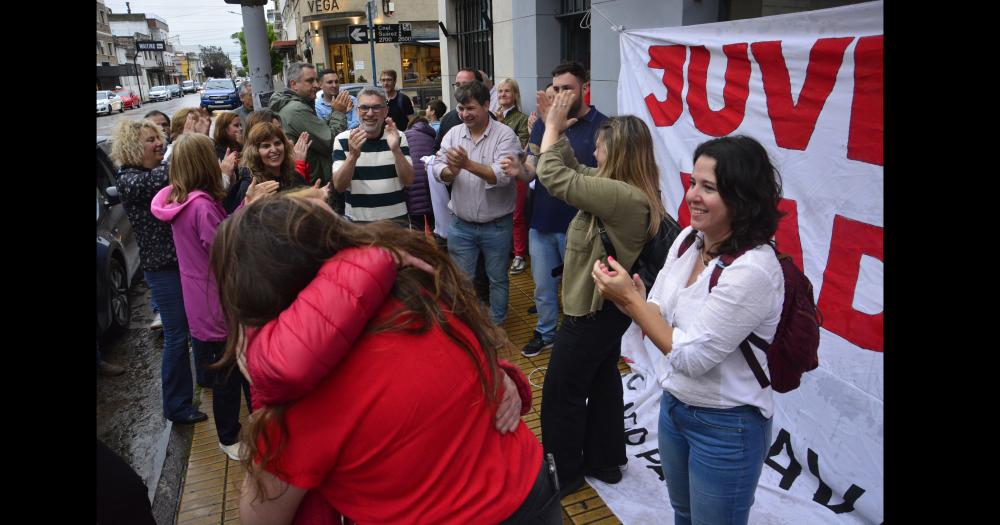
(609, 248)
(687, 242)
(758, 371)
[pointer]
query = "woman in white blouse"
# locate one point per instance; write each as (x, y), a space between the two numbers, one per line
(715, 419)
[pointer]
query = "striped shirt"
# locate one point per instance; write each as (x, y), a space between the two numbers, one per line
(376, 192)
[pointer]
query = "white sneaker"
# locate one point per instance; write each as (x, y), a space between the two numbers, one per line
(233, 451)
(157, 323)
(518, 265)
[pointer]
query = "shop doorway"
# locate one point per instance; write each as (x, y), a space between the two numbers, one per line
(342, 62)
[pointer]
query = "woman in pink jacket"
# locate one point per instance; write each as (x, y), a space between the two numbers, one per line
(192, 204)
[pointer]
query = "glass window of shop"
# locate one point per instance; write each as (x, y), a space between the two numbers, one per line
(420, 60)
(339, 52)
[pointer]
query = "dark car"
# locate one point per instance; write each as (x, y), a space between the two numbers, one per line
(175, 90)
(220, 93)
(117, 249)
(422, 94)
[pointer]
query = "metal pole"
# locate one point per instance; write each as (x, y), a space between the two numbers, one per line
(371, 42)
(258, 54)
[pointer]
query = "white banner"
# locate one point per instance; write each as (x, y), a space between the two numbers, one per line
(808, 86)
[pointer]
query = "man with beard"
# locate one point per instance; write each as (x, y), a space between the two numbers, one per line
(482, 196)
(372, 163)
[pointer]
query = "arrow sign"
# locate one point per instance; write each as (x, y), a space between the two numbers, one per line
(358, 34)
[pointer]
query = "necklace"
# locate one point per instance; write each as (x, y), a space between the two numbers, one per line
(705, 258)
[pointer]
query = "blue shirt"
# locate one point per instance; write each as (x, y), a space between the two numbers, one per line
(323, 110)
(549, 214)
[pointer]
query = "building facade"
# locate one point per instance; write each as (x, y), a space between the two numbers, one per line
(320, 29)
(157, 66)
(107, 57)
(526, 39)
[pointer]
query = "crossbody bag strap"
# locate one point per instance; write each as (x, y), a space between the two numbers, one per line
(609, 248)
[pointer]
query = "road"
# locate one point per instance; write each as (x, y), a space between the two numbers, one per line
(106, 123)
(129, 407)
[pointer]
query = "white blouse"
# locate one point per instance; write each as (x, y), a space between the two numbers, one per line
(705, 367)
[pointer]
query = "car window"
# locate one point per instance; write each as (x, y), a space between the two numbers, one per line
(100, 204)
(219, 84)
(101, 95)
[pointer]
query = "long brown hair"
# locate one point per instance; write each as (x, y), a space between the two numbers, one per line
(250, 158)
(221, 136)
(281, 243)
(194, 166)
(630, 159)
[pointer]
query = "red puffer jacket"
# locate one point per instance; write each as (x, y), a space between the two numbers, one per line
(289, 356)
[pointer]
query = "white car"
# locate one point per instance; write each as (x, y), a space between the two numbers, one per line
(108, 102)
(159, 93)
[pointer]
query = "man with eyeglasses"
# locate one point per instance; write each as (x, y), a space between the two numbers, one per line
(482, 196)
(372, 163)
(400, 105)
(297, 108)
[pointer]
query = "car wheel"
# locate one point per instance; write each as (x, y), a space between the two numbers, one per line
(121, 310)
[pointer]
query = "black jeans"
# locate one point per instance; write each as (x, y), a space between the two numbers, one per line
(227, 385)
(542, 506)
(583, 423)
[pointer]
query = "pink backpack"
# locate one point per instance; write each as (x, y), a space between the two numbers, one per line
(796, 340)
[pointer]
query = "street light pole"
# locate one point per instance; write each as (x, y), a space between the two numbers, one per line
(371, 42)
(258, 54)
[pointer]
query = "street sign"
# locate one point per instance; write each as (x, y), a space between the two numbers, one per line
(150, 45)
(386, 33)
(405, 32)
(358, 34)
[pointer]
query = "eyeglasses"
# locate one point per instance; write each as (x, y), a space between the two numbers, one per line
(366, 109)
(456, 84)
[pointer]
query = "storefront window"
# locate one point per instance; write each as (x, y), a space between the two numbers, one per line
(421, 63)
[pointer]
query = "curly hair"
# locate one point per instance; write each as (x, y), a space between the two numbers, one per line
(750, 187)
(126, 141)
(250, 158)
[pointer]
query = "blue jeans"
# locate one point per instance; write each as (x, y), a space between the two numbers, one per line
(711, 459)
(494, 239)
(227, 386)
(547, 251)
(175, 369)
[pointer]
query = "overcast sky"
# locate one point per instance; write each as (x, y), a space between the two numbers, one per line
(195, 22)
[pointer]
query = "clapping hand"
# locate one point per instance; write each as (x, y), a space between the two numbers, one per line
(256, 191)
(228, 162)
(613, 282)
(342, 102)
(542, 105)
(301, 148)
(457, 159)
(512, 167)
(532, 118)
(325, 189)
(355, 141)
(391, 134)
(556, 117)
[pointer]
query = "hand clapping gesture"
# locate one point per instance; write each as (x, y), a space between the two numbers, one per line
(301, 148)
(391, 134)
(228, 162)
(256, 191)
(342, 102)
(556, 116)
(512, 167)
(457, 159)
(355, 141)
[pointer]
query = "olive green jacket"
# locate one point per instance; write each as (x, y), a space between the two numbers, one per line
(518, 122)
(298, 115)
(621, 206)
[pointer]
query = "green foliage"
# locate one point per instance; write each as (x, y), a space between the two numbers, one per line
(214, 61)
(276, 63)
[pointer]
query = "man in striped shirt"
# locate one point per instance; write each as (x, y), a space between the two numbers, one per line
(372, 163)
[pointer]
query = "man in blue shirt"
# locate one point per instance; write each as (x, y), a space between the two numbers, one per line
(329, 83)
(550, 217)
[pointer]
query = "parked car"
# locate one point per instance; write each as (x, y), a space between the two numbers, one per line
(423, 94)
(175, 90)
(117, 249)
(353, 89)
(107, 102)
(220, 93)
(159, 93)
(188, 86)
(129, 98)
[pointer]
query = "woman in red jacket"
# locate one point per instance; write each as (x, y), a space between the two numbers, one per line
(402, 431)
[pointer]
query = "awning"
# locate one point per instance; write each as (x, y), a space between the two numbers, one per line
(278, 44)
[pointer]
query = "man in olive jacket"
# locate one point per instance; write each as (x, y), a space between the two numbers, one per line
(297, 108)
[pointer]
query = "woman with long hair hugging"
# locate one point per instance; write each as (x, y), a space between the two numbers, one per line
(401, 429)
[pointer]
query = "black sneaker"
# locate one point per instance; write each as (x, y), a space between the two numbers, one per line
(535, 346)
(609, 475)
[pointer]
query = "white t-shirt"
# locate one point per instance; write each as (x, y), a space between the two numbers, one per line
(706, 367)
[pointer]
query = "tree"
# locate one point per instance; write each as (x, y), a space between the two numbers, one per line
(276, 63)
(214, 61)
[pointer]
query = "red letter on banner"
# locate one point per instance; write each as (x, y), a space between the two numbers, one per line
(850, 240)
(864, 141)
(737, 87)
(683, 213)
(787, 236)
(671, 60)
(793, 123)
